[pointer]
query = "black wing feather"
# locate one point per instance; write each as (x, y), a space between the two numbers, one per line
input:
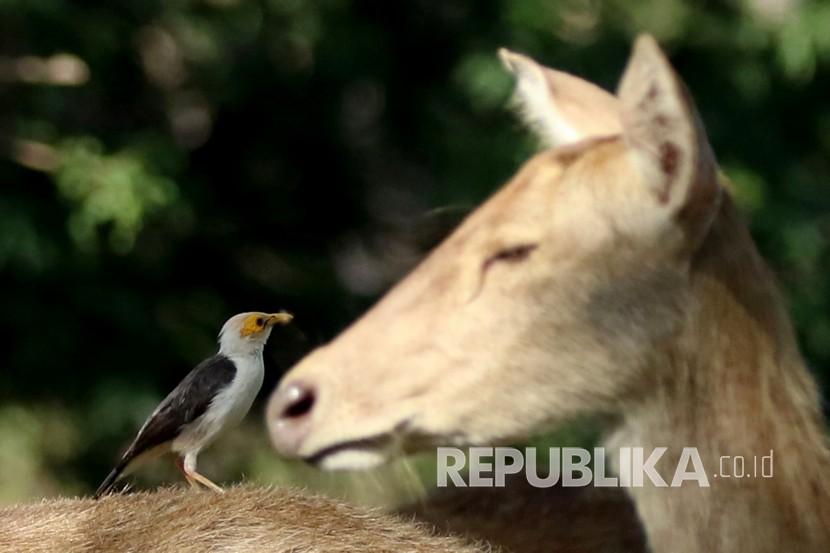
(187, 402)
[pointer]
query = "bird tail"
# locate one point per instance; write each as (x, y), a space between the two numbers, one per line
(109, 482)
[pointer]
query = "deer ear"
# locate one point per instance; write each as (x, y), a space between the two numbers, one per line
(559, 107)
(665, 136)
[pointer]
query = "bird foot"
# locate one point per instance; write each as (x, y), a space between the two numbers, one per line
(203, 480)
(194, 478)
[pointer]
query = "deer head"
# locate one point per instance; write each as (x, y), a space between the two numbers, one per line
(546, 303)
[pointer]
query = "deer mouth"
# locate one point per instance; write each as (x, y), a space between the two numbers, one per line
(362, 453)
(371, 451)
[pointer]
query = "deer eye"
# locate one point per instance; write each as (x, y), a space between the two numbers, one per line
(513, 254)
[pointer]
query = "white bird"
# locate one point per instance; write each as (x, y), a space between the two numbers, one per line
(217, 394)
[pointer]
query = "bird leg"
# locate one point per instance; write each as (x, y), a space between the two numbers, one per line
(188, 468)
(205, 481)
(191, 481)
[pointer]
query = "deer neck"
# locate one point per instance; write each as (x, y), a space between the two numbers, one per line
(733, 383)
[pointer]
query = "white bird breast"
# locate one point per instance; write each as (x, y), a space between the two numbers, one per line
(228, 407)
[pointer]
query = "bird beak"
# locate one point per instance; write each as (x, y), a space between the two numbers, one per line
(282, 317)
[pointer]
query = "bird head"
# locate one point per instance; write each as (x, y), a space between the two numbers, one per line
(248, 332)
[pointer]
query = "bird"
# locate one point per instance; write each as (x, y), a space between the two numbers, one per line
(214, 396)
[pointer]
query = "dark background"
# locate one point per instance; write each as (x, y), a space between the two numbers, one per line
(166, 164)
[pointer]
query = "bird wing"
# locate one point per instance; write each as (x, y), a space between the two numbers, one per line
(187, 402)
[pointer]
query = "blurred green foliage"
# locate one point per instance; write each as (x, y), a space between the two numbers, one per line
(165, 164)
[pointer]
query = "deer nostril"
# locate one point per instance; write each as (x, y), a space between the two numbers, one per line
(289, 415)
(300, 401)
(301, 406)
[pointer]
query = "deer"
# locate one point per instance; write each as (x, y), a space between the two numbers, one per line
(612, 276)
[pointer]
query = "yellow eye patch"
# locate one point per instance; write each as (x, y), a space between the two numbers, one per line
(257, 322)
(253, 324)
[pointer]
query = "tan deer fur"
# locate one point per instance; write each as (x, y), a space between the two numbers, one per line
(611, 276)
(242, 520)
